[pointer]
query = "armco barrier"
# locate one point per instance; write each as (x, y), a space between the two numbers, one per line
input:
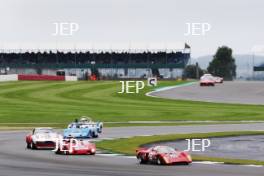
(8, 78)
(41, 78)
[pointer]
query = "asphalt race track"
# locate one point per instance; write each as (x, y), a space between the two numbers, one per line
(242, 92)
(15, 159)
(238, 147)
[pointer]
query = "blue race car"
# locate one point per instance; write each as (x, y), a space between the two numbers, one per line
(83, 128)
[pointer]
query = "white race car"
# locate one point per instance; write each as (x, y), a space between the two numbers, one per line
(207, 80)
(42, 138)
(218, 79)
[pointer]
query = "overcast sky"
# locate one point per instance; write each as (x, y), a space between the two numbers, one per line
(236, 23)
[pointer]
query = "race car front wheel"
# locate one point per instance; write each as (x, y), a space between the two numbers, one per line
(94, 135)
(141, 160)
(66, 153)
(57, 152)
(160, 161)
(100, 128)
(32, 146)
(89, 135)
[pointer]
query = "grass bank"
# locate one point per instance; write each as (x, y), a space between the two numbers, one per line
(59, 103)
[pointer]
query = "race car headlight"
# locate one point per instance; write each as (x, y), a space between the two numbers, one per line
(189, 157)
(92, 150)
(166, 158)
(34, 138)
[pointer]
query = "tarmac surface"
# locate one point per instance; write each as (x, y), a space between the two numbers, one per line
(241, 92)
(15, 159)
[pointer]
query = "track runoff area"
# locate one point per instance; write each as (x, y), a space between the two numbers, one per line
(15, 159)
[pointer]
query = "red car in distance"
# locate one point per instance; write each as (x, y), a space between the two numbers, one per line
(162, 155)
(75, 147)
(207, 80)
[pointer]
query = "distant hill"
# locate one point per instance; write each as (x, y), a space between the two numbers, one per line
(244, 63)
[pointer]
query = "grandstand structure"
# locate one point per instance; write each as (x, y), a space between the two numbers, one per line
(106, 61)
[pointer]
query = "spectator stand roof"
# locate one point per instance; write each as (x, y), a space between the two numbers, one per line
(136, 47)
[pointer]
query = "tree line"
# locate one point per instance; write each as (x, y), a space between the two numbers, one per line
(222, 65)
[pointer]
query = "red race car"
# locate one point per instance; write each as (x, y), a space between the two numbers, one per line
(42, 138)
(162, 155)
(75, 147)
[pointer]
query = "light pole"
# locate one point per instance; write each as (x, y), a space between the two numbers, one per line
(197, 70)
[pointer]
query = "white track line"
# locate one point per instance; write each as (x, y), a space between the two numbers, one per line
(167, 88)
(252, 165)
(207, 162)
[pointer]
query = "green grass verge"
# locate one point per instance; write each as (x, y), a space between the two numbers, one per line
(128, 146)
(61, 102)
